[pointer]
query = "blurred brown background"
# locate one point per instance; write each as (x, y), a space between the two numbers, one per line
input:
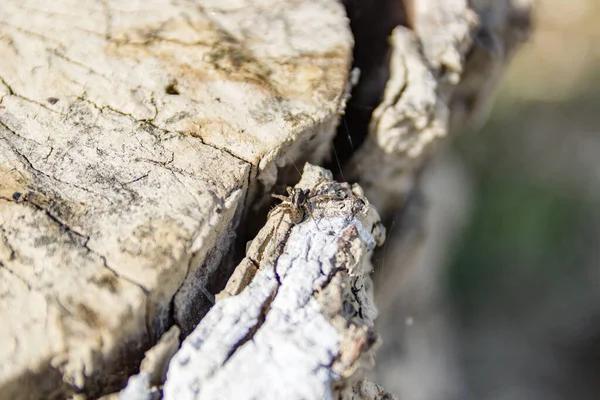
(518, 312)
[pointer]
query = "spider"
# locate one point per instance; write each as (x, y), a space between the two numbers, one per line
(297, 203)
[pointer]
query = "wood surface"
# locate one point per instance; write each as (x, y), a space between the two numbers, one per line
(139, 145)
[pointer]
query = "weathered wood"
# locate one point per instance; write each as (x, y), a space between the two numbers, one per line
(409, 120)
(135, 137)
(426, 63)
(153, 370)
(302, 327)
(132, 134)
(442, 72)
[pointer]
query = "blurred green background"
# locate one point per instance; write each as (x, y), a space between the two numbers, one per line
(525, 277)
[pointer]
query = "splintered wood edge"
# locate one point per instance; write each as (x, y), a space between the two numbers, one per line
(442, 74)
(302, 327)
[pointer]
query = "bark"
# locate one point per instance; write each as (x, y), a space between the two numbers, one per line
(303, 326)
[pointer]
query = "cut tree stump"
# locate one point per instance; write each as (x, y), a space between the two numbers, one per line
(139, 146)
(132, 135)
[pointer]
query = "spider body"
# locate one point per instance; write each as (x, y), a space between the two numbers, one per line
(297, 203)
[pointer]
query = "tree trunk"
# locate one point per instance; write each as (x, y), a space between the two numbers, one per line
(139, 146)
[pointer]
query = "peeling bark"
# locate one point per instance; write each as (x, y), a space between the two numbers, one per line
(302, 326)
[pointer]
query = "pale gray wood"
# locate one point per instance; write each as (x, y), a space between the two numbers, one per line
(132, 135)
(442, 74)
(134, 138)
(302, 327)
(153, 370)
(411, 118)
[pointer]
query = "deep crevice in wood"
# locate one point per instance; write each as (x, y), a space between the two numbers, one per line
(371, 23)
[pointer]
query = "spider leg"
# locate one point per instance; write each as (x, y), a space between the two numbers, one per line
(290, 191)
(280, 197)
(307, 208)
(273, 212)
(283, 207)
(284, 211)
(314, 189)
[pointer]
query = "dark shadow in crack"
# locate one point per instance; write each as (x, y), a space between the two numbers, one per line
(372, 23)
